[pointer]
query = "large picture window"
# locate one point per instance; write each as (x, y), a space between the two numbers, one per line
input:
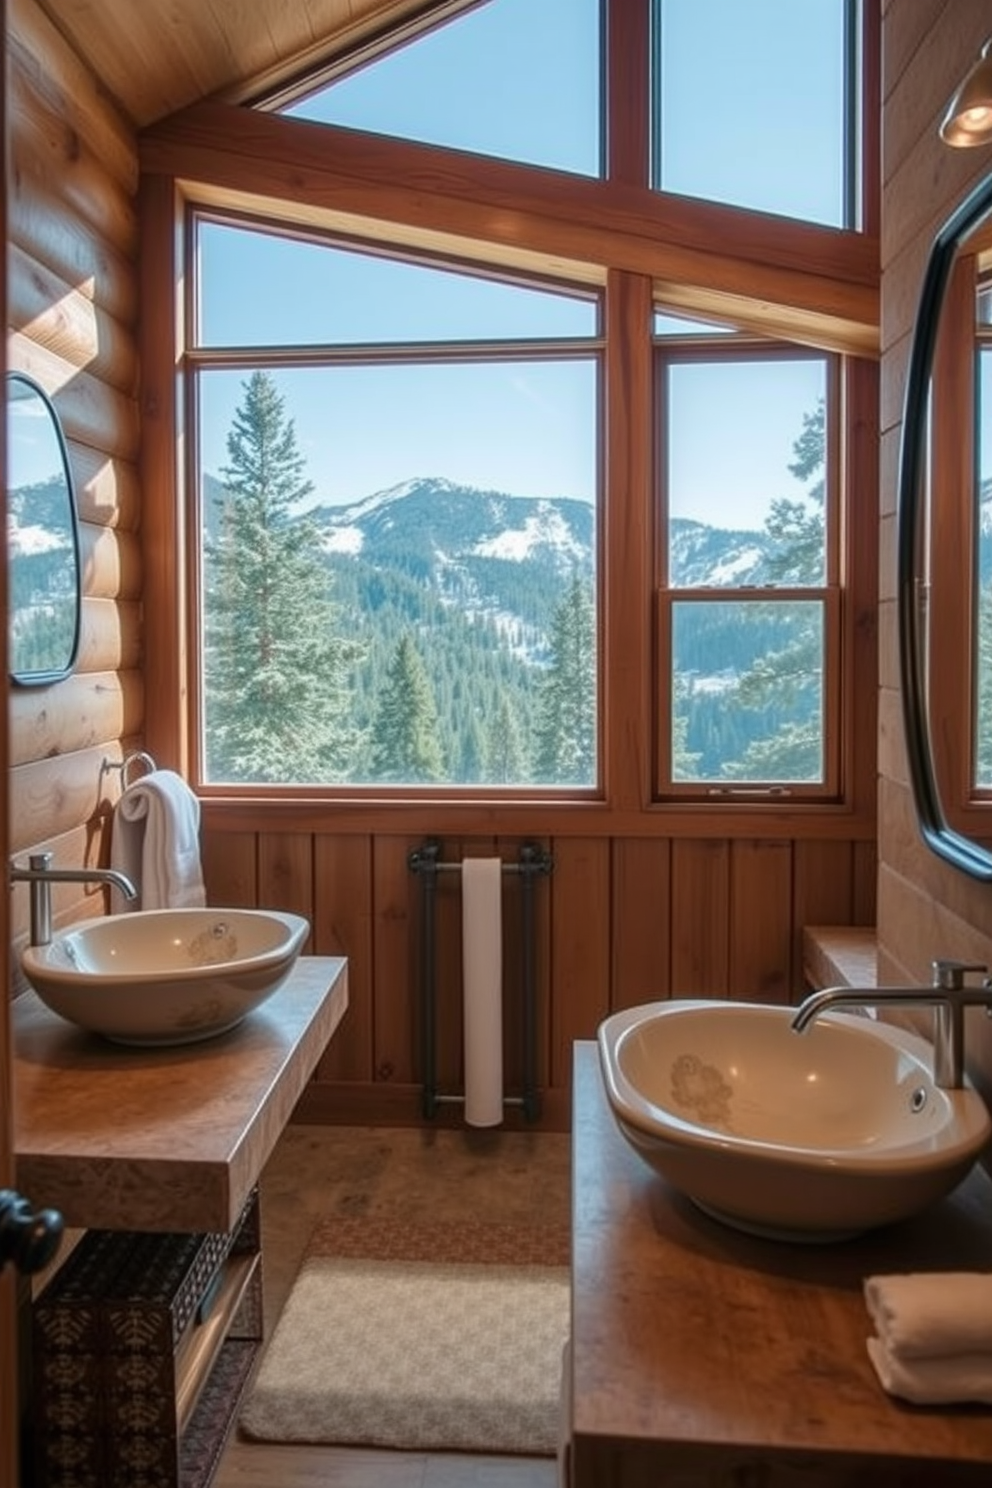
(397, 531)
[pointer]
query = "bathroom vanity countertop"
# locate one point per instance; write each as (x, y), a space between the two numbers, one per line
(704, 1356)
(167, 1139)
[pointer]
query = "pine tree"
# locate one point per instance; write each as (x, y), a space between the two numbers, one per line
(275, 663)
(565, 742)
(405, 748)
(788, 681)
(504, 755)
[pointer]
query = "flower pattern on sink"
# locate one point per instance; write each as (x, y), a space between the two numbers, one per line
(701, 1089)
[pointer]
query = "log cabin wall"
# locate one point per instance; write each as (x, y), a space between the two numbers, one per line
(638, 906)
(72, 316)
(925, 907)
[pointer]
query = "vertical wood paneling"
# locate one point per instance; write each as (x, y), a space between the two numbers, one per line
(342, 926)
(285, 874)
(580, 946)
(641, 920)
(761, 921)
(823, 893)
(230, 868)
(396, 958)
(700, 919)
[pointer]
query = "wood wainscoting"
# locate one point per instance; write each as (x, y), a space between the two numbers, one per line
(619, 920)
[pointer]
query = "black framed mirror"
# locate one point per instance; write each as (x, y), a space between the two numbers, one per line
(943, 745)
(44, 581)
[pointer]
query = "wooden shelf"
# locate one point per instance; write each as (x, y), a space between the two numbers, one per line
(198, 1351)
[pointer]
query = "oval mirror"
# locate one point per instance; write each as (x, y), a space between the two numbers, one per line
(944, 543)
(42, 539)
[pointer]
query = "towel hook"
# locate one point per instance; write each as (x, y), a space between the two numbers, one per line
(136, 757)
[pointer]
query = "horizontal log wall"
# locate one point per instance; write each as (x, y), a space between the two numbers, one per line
(72, 315)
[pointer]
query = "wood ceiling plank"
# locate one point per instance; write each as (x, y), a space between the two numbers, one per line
(156, 58)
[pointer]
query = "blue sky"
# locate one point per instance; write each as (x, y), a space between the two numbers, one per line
(524, 429)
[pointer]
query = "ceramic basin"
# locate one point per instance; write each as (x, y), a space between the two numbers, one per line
(168, 976)
(813, 1136)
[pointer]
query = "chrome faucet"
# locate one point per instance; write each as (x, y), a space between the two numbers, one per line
(41, 875)
(948, 994)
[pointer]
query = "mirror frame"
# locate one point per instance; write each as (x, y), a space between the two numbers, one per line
(955, 848)
(42, 677)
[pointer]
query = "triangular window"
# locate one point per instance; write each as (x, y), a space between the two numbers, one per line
(516, 79)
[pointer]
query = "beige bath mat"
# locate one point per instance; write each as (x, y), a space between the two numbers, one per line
(429, 1337)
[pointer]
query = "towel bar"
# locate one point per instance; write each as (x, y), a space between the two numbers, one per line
(425, 862)
(136, 757)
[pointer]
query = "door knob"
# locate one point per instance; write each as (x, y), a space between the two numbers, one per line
(27, 1238)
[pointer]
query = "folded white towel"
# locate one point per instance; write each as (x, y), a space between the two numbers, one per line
(155, 840)
(943, 1380)
(924, 1315)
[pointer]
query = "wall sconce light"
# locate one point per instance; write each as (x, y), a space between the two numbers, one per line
(968, 120)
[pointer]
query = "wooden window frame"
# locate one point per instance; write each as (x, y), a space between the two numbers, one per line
(703, 350)
(812, 286)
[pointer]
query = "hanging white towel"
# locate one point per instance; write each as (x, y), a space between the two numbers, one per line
(482, 989)
(155, 840)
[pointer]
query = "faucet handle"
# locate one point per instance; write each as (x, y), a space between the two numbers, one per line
(949, 975)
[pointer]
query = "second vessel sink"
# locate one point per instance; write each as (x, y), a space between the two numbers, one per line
(813, 1136)
(168, 976)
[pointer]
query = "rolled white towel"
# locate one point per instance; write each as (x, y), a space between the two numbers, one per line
(943, 1380)
(925, 1315)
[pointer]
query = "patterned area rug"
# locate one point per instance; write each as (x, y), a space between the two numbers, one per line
(429, 1337)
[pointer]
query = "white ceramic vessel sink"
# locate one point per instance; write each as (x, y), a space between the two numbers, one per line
(812, 1136)
(169, 976)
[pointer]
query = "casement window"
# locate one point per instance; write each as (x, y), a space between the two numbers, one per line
(747, 568)
(396, 534)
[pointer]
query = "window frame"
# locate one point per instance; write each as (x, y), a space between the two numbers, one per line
(855, 190)
(198, 359)
(702, 350)
(813, 286)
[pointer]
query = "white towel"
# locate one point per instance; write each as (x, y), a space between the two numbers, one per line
(155, 840)
(941, 1380)
(482, 990)
(928, 1314)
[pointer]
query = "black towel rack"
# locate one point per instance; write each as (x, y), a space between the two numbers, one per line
(531, 863)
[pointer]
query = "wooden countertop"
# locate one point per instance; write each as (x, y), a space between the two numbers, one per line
(701, 1356)
(164, 1139)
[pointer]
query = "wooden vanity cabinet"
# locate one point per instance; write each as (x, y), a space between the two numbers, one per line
(144, 1337)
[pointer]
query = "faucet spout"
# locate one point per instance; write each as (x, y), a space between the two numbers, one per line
(948, 996)
(40, 875)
